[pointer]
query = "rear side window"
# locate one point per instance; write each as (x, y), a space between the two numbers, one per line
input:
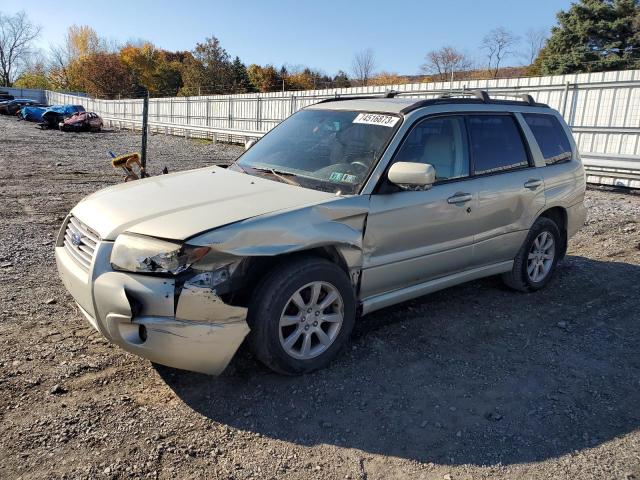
(496, 143)
(550, 136)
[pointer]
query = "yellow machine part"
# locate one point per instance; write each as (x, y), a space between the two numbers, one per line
(122, 160)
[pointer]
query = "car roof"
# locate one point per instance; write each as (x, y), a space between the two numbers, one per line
(389, 103)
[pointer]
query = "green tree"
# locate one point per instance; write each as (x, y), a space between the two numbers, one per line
(193, 77)
(341, 80)
(216, 64)
(240, 78)
(593, 36)
(33, 77)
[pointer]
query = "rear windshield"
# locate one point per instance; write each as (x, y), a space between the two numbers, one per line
(551, 138)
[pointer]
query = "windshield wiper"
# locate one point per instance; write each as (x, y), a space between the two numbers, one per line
(278, 174)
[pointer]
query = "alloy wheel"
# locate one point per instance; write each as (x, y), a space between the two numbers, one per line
(541, 256)
(311, 320)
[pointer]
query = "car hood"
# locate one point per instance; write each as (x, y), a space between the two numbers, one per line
(183, 204)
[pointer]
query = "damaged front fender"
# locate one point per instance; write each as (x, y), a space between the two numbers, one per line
(337, 223)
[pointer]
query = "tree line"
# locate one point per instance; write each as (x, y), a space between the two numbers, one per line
(591, 36)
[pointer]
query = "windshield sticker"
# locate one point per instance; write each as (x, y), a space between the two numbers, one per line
(376, 119)
(342, 177)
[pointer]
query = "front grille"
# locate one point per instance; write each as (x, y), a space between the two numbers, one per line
(80, 242)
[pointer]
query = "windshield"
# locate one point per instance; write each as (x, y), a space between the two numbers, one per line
(327, 150)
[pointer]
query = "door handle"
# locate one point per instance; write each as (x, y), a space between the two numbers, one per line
(533, 183)
(460, 198)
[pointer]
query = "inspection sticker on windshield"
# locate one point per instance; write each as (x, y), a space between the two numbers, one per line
(376, 119)
(343, 177)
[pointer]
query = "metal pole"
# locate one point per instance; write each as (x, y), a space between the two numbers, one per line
(258, 113)
(564, 99)
(145, 119)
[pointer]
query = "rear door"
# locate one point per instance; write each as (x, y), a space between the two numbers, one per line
(511, 189)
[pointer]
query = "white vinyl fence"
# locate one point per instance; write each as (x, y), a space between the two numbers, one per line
(603, 110)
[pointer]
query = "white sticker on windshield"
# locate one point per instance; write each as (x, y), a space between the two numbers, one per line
(376, 119)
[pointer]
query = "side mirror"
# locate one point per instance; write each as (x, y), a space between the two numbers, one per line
(249, 143)
(412, 175)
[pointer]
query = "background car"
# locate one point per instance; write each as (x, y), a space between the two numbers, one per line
(6, 96)
(55, 114)
(12, 107)
(82, 122)
(32, 114)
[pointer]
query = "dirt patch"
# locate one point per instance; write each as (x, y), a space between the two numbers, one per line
(474, 381)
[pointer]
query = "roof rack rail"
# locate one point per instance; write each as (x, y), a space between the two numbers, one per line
(484, 95)
(525, 97)
(479, 94)
(339, 98)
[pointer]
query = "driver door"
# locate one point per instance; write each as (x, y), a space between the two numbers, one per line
(416, 236)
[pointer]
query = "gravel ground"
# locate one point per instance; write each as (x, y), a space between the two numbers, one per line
(472, 382)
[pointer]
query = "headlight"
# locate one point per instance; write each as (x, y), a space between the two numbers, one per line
(139, 253)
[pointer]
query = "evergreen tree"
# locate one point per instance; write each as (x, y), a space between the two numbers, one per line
(593, 36)
(240, 77)
(341, 80)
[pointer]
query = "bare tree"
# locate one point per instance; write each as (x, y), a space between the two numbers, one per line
(16, 37)
(364, 63)
(534, 42)
(498, 44)
(445, 63)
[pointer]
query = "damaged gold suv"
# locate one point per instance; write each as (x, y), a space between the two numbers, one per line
(348, 206)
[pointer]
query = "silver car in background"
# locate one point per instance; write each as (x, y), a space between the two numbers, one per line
(348, 206)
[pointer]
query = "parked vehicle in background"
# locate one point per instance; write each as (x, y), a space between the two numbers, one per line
(82, 122)
(32, 114)
(346, 207)
(5, 96)
(55, 114)
(12, 107)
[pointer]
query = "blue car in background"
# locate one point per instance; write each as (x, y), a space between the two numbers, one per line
(32, 114)
(55, 114)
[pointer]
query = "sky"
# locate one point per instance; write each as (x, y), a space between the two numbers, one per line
(321, 34)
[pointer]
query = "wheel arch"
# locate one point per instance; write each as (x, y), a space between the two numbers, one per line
(558, 215)
(257, 267)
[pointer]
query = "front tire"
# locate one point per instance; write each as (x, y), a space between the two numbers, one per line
(301, 315)
(537, 259)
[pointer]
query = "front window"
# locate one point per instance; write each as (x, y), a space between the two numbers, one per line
(442, 143)
(327, 150)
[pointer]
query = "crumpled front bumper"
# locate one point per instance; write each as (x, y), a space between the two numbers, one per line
(198, 332)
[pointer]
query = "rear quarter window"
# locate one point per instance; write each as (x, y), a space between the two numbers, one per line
(551, 137)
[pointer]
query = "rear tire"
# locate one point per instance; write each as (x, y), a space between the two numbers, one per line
(301, 315)
(537, 259)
